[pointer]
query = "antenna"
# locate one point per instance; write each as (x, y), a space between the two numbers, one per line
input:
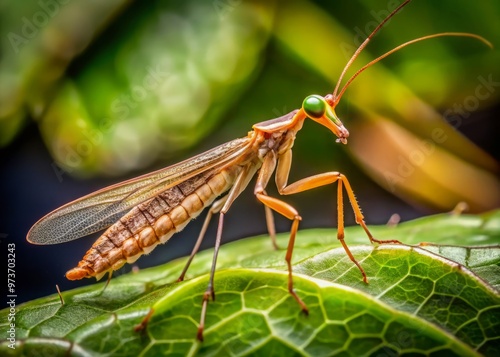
(363, 45)
(336, 97)
(423, 38)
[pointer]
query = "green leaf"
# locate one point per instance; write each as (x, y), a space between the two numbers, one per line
(256, 314)
(434, 298)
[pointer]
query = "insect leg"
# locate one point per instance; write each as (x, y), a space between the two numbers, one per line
(271, 228)
(110, 275)
(325, 179)
(284, 209)
(215, 208)
(240, 184)
(359, 216)
(60, 295)
(141, 327)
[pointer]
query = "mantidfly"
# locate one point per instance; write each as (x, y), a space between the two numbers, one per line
(161, 203)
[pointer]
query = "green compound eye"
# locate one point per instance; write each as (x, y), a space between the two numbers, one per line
(314, 106)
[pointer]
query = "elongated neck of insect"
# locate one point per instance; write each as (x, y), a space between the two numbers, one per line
(331, 100)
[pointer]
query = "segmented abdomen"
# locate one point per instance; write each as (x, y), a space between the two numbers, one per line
(152, 222)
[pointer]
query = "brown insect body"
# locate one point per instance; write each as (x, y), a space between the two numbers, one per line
(154, 221)
(151, 223)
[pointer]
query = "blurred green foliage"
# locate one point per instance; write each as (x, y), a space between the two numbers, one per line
(154, 81)
(416, 302)
(116, 86)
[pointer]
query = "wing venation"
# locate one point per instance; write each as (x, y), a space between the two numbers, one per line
(99, 210)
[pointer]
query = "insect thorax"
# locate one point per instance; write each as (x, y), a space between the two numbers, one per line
(278, 142)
